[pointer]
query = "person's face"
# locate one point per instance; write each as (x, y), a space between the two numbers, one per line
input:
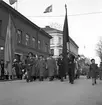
(61, 56)
(40, 57)
(93, 61)
(30, 55)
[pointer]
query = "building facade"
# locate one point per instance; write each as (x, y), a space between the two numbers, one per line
(29, 37)
(56, 43)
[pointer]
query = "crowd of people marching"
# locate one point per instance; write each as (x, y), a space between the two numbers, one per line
(41, 68)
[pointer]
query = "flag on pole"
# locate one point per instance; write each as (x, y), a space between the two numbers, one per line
(65, 40)
(65, 29)
(9, 45)
(12, 1)
(48, 9)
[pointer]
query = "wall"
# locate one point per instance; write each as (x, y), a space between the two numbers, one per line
(56, 47)
(25, 27)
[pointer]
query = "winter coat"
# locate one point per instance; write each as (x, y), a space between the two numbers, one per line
(41, 67)
(29, 65)
(93, 70)
(61, 71)
(51, 65)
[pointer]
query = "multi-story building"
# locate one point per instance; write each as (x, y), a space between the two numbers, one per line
(29, 37)
(56, 43)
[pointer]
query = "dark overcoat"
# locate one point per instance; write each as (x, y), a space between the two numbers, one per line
(29, 65)
(61, 71)
(51, 65)
(93, 70)
(37, 68)
(42, 67)
(34, 68)
(71, 67)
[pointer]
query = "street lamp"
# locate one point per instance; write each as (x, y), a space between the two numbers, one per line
(1, 48)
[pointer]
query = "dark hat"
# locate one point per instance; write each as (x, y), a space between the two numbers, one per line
(30, 53)
(61, 55)
(41, 56)
(34, 55)
(78, 55)
(92, 60)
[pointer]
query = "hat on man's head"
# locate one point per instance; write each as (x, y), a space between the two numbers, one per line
(61, 55)
(30, 53)
(34, 55)
(92, 60)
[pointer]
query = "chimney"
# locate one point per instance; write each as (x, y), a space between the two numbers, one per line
(47, 27)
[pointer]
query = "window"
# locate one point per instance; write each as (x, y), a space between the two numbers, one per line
(59, 40)
(60, 51)
(27, 39)
(19, 36)
(39, 44)
(46, 47)
(52, 41)
(52, 51)
(0, 26)
(33, 42)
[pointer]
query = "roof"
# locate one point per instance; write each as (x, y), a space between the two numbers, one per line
(24, 18)
(49, 29)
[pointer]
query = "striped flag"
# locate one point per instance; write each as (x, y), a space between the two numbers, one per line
(48, 9)
(12, 1)
(9, 45)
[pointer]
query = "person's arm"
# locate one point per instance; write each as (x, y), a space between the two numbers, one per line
(90, 68)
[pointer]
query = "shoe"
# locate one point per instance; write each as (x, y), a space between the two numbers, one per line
(72, 82)
(61, 80)
(27, 80)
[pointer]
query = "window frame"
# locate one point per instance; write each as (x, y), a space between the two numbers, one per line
(39, 44)
(51, 51)
(19, 36)
(60, 51)
(34, 44)
(59, 40)
(27, 40)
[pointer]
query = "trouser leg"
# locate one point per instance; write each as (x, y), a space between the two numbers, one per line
(69, 78)
(51, 78)
(41, 78)
(93, 81)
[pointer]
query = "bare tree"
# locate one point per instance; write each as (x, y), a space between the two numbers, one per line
(99, 49)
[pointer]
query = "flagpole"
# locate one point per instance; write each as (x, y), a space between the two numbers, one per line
(17, 5)
(69, 38)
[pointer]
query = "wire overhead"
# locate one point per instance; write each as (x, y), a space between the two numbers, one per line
(91, 13)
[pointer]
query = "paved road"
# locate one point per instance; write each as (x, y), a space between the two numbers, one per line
(51, 93)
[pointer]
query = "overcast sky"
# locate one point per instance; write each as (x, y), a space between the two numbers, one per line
(85, 30)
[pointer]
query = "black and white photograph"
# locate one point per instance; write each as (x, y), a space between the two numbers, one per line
(50, 52)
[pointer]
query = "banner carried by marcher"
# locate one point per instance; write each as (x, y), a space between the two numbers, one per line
(9, 45)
